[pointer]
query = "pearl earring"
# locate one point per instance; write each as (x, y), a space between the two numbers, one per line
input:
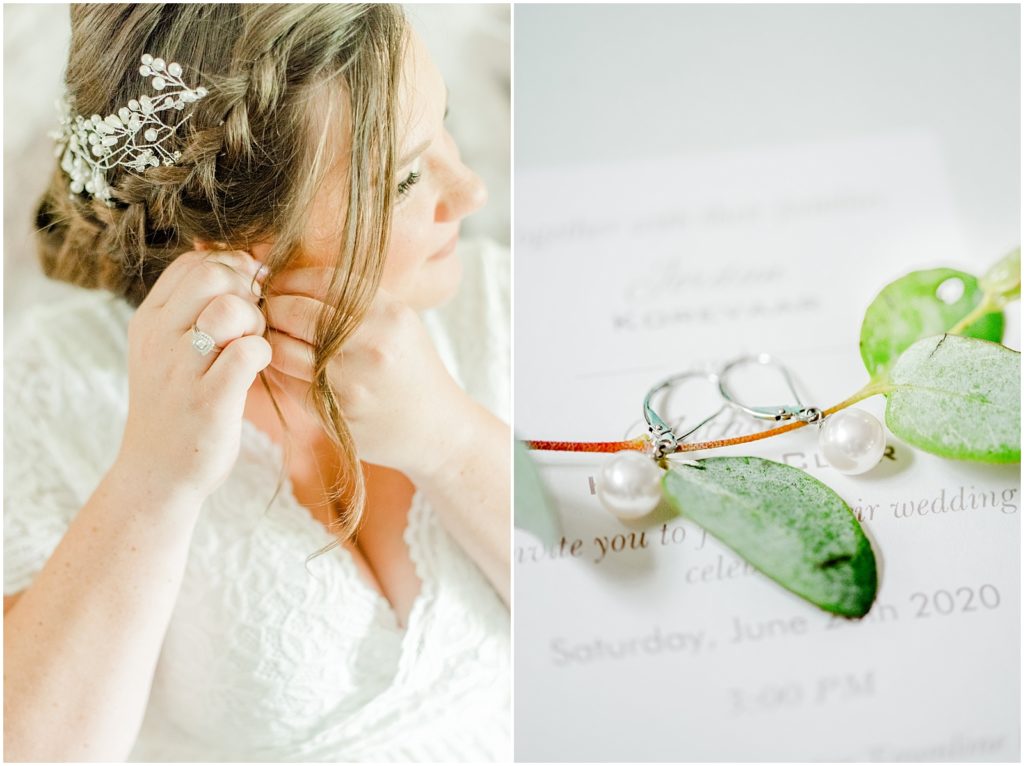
(852, 441)
(629, 483)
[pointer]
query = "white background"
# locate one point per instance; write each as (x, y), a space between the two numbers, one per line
(606, 83)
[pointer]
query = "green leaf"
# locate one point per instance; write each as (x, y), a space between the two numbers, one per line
(786, 523)
(911, 308)
(1002, 281)
(957, 397)
(532, 510)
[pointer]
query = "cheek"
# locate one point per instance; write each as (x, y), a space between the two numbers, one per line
(401, 263)
(409, 244)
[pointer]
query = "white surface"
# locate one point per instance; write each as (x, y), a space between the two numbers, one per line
(708, 181)
(611, 82)
(707, 259)
(470, 44)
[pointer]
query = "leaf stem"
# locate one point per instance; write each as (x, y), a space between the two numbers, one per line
(986, 305)
(873, 387)
(551, 446)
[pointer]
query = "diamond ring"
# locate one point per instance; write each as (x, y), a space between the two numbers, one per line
(202, 342)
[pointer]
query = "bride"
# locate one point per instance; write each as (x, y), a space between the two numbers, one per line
(257, 491)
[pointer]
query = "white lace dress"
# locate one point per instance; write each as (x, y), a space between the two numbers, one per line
(264, 659)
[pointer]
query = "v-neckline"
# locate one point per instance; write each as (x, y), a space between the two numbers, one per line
(411, 534)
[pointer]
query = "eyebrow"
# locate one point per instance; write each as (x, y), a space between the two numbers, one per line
(414, 152)
(422, 146)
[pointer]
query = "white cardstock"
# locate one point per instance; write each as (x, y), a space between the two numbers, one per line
(652, 641)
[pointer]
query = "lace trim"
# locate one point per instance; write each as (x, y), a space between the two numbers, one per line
(413, 536)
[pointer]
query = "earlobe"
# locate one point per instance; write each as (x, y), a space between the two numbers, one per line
(259, 251)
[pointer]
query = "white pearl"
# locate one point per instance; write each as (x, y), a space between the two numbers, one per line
(629, 484)
(853, 441)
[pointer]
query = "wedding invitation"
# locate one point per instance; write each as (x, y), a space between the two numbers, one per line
(651, 641)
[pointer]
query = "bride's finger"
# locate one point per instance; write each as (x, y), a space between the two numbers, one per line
(189, 266)
(291, 356)
(311, 281)
(294, 314)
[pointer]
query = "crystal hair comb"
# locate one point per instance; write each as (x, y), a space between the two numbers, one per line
(131, 137)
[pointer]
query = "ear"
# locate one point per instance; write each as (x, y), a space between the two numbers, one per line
(259, 251)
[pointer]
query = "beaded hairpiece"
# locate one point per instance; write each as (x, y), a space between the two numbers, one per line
(131, 137)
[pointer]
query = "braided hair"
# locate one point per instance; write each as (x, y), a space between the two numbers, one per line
(282, 81)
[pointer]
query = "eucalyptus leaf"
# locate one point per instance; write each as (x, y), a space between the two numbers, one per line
(533, 512)
(957, 397)
(1002, 281)
(784, 522)
(919, 305)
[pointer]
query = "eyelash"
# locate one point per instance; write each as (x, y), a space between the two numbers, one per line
(404, 187)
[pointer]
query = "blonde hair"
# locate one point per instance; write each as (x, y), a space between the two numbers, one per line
(254, 154)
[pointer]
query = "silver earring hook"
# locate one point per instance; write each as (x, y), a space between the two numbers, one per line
(665, 438)
(777, 412)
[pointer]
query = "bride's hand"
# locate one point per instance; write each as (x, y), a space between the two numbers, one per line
(185, 409)
(404, 410)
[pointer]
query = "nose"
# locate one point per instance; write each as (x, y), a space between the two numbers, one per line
(464, 193)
